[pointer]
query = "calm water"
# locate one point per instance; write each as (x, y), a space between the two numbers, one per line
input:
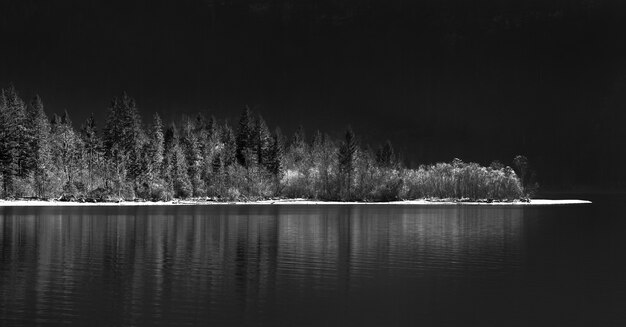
(314, 265)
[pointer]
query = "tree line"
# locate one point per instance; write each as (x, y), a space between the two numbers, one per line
(204, 158)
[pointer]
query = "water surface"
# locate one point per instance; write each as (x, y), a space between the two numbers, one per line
(314, 265)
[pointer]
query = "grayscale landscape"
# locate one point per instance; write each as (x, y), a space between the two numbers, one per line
(312, 163)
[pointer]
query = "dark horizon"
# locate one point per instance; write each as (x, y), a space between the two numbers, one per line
(439, 79)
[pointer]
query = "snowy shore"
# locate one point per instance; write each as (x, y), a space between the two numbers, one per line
(27, 203)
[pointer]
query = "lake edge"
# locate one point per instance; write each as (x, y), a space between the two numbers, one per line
(40, 203)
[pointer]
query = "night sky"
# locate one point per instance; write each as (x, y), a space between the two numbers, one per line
(479, 80)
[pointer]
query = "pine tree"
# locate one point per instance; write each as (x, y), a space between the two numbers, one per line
(124, 130)
(212, 128)
(347, 153)
(298, 149)
(275, 159)
(66, 146)
(317, 162)
(276, 153)
(169, 139)
(324, 156)
(214, 175)
(150, 182)
(116, 163)
(365, 169)
(92, 151)
(40, 147)
(180, 178)
(200, 132)
(217, 163)
(8, 147)
(246, 145)
(16, 155)
(157, 142)
(191, 148)
(263, 143)
(154, 163)
(385, 156)
(182, 184)
(22, 133)
(229, 152)
(175, 171)
(211, 152)
(200, 123)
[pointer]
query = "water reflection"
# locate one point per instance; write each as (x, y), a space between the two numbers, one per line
(282, 265)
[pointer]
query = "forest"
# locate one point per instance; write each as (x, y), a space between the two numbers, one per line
(202, 158)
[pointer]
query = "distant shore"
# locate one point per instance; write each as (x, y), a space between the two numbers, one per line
(42, 203)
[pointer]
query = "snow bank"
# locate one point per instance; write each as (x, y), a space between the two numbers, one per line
(27, 203)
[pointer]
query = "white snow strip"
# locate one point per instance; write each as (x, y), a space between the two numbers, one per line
(27, 203)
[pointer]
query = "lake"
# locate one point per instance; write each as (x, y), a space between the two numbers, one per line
(304, 265)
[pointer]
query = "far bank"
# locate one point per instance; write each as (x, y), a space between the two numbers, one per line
(532, 202)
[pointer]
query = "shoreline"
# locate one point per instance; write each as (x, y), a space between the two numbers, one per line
(54, 203)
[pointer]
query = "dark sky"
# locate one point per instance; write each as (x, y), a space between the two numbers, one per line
(479, 80)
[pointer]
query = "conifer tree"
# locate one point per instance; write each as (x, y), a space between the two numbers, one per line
(15, 142)
(92, 151)
(124, 130)
(191, 148)
(324, 158)
(157, 142)
(263, 143)
(246, 147)
(215, 172)
(385, 156)
(154, 162)
(318, 162)
(150, 181)
(22, 136)
(182, 184)
(347, 153)
(212, 128)
(8, 146)
(297, 166)
(200, 133)
(175, 172)
(229, 152)
(40, 147)
(217, 163)
(298, 149)
(66, 146)
(211, 151)
(275, 165)
(116, 163)
(200, 123)
(275, 159)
